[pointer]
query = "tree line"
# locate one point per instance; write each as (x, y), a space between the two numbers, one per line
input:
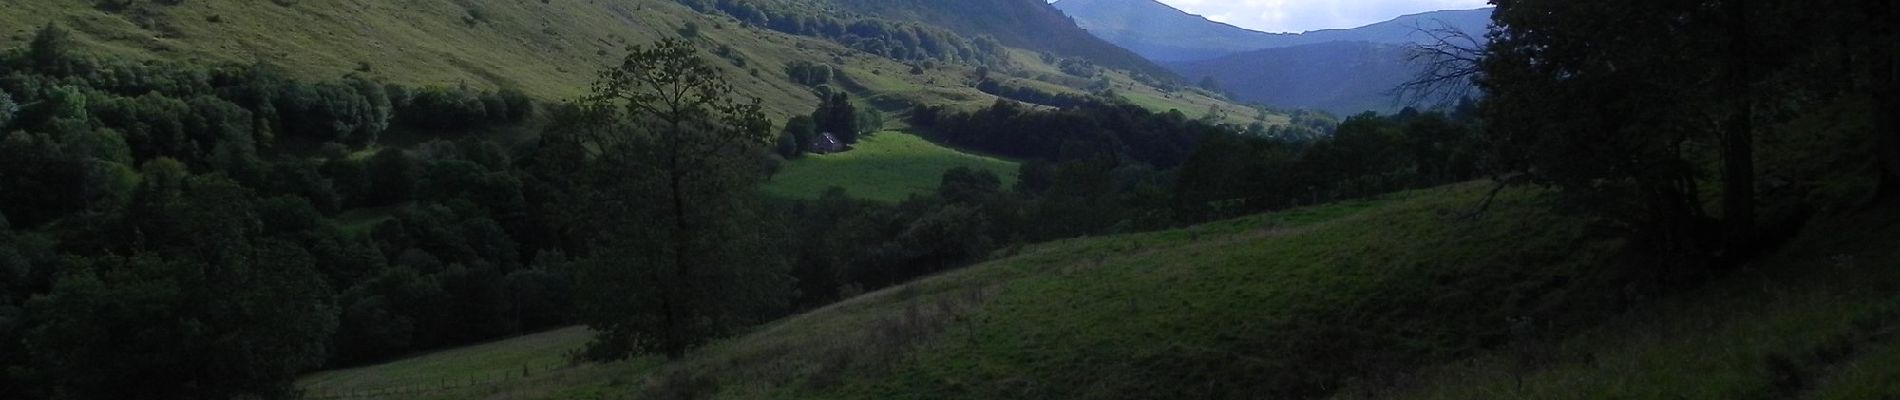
(1705, 130)
(177, 231)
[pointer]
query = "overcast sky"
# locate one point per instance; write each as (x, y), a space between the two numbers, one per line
(1306, 15)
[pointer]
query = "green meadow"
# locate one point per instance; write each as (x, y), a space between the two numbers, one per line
(512, 358)
(888, 166)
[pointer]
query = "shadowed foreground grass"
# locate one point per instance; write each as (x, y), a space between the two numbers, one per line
(511, 358)
(1396, 297)
(1818, 320)
(1257, 304)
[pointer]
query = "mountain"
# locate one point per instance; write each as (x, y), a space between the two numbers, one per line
(1168, 35)
(1342, 78)
(1408, 29)
(553, 50)
(1028, 24)
(1342, 71)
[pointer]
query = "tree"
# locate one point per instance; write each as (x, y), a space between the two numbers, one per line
(667, 184)
(802, 131)
(962, 185)
(203, 309)
(838, 117)
(7, 109)
(1620, 117)
(51, 50)
(393, 177)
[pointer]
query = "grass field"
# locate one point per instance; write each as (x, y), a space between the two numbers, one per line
(1817, 320)
(1268, 304)
(889, 166)
(500, 360)
(1153, 315)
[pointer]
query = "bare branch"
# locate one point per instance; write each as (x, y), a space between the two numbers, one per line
(1450, 64)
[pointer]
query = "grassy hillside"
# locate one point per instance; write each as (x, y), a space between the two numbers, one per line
(889, 166)
(1818, 320)
(552, 50)
(1205, 310)
(502, 360)
(1026, 24)
(1318, 302)
(1194, 103)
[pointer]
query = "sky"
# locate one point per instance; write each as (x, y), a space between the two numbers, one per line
(1306, 15)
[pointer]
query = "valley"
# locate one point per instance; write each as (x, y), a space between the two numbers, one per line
(921, 199)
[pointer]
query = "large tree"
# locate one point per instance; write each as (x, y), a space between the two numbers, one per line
(668, 179)
(1681, 100)
(1618, 115)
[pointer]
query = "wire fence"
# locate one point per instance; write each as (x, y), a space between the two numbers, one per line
(412, 389)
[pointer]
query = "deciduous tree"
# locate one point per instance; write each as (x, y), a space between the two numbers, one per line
(668, 185)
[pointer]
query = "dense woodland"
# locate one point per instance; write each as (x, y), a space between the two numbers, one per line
(1707, 130)
(178, 231)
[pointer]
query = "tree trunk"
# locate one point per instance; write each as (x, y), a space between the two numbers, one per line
(1738, 144)
(682, 245)
(1887, 142)
(1886, 88)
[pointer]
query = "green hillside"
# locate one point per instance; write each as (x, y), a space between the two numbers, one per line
(1316, 301)
(1817, 320)
(1028, 24)
(500, 360)
(1228, 307)
(552, 50)
(549, 49)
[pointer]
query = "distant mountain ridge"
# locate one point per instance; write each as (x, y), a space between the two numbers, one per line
(1163, 33)
(1341, 71)
(1340, 77)
(1168, 35)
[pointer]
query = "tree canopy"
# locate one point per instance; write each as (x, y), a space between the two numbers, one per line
(668, 182)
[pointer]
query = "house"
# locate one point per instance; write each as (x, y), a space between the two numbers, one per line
(827, 143)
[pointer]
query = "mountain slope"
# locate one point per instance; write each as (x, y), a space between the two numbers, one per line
(1408, 29)
(1342, 78)
(1169, 35)
(1028, 24)
(551, 50)
(1342, 71)
(1163, 33)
